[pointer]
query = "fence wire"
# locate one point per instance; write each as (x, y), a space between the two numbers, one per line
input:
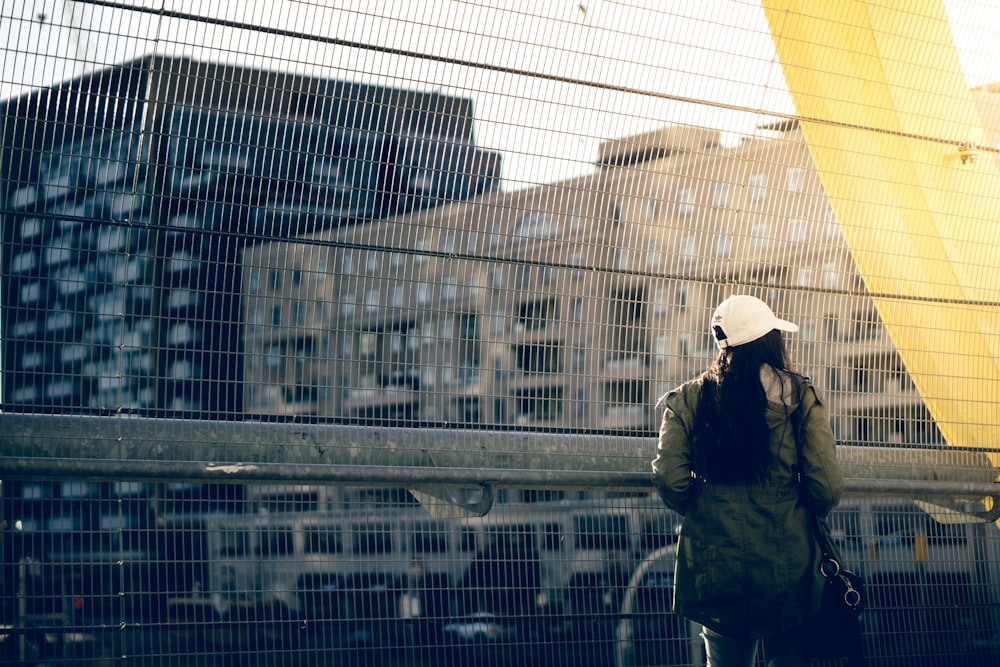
(334, 333)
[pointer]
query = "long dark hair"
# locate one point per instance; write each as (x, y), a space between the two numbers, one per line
(732, 438)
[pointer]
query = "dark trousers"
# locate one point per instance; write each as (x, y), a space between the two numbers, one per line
(785, 650)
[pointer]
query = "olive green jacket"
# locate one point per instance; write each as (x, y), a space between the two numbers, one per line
(747, 561)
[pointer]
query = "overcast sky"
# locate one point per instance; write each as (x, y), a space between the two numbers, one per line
(642, 59)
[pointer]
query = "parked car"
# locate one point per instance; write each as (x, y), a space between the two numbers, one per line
(479, 627)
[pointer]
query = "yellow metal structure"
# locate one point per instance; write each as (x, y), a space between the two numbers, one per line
(894, 133)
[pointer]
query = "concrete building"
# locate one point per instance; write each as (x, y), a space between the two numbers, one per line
(574, 305)
(127, 195)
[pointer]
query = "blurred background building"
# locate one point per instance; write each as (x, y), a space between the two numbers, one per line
(575, 305)
(128, 194)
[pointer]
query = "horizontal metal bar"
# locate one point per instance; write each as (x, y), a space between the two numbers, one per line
(71, 446)
(102, 470)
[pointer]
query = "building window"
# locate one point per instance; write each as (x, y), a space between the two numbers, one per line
(536, 225)
(621, 259)
(683, 293)
(684, 345)
(830, 225)
(523, 276)
(539, 404)
(273, 356)
(797, 230)
(371, 300)
(651, 207)
(538, 315)
(398, 296)
(367, 344)
(494, 234)
(423, 294)
(865, 325)
(449, 291)
(868, 380)
(831, 277)
(618, 212)
(576, 259)
(319, 269)
(660, 299)
(624, 399)
(831, 326)
(428, 377)
(804, 277)
(500, 413)
(661, 347)
(758, 186)
(627, 335)
(448, 242)
(494, 276)
(794, 179)
(807, 329)
(413, 341)
(347, 304)
(689, 248)
(685, 201)
(538, 358)
(347, 265)
(468, 327)
(420, 247)
(446, 328)
(758, 236)
(720, 194)
(498, 323)
(654, 255)
(580, 412)
(573, 219)
(723, 244)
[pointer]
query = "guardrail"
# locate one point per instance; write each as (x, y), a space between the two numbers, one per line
(440, 461)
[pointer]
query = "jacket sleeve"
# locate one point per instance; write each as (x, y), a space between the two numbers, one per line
(672, 465)
(824, 483)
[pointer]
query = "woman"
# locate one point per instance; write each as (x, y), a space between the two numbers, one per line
(747, 561)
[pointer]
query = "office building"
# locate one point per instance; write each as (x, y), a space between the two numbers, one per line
(128, 194)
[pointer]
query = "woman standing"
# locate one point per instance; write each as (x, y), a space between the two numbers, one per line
(747, 562)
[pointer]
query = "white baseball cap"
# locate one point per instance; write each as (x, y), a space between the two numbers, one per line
(744, 319)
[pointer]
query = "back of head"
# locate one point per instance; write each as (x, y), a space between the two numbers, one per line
(742, 319)
(733, 443)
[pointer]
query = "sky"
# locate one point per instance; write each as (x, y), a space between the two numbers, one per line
(549, 79)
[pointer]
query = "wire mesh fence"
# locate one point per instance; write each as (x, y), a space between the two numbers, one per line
(335, 333)
(176, 573)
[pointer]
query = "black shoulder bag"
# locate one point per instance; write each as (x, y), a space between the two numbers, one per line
(835, 632)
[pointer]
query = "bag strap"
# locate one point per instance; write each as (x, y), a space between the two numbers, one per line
(821, 530)
(830, 559)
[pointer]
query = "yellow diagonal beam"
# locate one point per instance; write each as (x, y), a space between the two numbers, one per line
(885, 107)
